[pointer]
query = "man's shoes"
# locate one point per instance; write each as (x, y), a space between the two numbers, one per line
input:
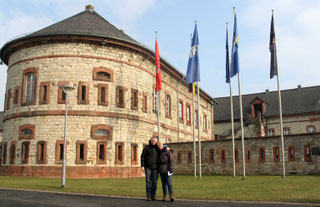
(153, 198)
(164, 198)
(148, 199)
(171, 198)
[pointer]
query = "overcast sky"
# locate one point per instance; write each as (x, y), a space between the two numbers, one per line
(297, 25)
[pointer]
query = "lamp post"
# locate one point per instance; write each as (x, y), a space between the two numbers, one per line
(66, 89)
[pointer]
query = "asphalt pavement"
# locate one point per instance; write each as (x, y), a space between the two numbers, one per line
(25, 198)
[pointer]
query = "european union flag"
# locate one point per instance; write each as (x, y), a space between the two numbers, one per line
(227, 57)
(234, 54)
(193, 72)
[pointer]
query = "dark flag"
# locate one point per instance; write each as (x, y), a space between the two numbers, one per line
(273, 50)
(227, 58)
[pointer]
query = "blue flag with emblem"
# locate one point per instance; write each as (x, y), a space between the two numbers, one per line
(193, 72)
(234, 53)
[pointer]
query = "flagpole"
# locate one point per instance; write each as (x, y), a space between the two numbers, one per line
(281, 130)
(194, 136)
(199, 144)
(193, 130)
(241, 119)
(158, 105)
(231, 108)
(280, 114)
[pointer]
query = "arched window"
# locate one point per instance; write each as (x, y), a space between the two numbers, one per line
(188, 114)
(102, 74)
(168, 106)
(101, 132)
(181, 111)
(29, 84)
(27, 131)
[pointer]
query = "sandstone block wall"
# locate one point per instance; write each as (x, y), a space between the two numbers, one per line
(255, 166)
(74, 63)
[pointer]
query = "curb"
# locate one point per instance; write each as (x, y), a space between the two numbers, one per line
(187, 200)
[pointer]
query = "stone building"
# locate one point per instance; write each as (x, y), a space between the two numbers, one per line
(1, 130)
(112, 112)
(262, 156)
(300, 107)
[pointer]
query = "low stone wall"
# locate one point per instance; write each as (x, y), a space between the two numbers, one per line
(262, 156)
(72, 172)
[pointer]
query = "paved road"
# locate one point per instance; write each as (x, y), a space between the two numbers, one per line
(25, 198)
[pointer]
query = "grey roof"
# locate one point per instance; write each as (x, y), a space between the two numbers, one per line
(88, 23)
(1, 121)
(294, 101)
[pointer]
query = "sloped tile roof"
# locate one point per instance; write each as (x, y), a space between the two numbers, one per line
(294, 101)
(88, 23)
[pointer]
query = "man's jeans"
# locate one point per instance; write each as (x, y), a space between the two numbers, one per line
(151, 182)
(166, 182)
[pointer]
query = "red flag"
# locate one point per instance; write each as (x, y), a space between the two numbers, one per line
(158, 70)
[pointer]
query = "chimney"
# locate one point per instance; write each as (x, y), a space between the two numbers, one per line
(89, 8)
(267, 91)
(299, 86)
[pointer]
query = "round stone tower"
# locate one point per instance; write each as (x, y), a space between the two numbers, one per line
(111, 113)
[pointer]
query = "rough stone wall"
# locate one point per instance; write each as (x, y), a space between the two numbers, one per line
(254, 167)
(297, 124)
(74, 62)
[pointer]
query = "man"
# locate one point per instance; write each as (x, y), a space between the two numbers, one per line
(149, 159)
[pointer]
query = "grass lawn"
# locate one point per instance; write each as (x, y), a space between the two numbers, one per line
(254, 188)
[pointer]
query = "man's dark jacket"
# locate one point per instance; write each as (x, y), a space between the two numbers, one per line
(149, 156)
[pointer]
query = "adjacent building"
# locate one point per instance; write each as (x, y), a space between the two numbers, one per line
(300, 106)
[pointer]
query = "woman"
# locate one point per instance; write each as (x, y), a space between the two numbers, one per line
(165, 168)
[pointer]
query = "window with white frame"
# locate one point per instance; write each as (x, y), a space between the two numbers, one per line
(271, 132)
(286, 131)
(311, 129)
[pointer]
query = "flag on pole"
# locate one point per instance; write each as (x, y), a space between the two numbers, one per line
(227, 58)
(272, 48)
(234, 53)
(158, 70)
(193, 72)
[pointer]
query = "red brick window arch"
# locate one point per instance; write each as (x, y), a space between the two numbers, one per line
(179, 157)
(25, 149)
(211, 156)
(13, 148)
(101, 152)
(291, 153)
(27, 131)
(101, 131)
(189, 157)
(83, 93)
(307, 153)
(102, 74)
(168, 105)
(29, 86)
(276, 154)
(223, 156)
(181, 111)
(262, 154)
(42, 152)
(236, 155)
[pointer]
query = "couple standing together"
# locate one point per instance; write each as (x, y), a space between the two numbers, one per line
(157, 158)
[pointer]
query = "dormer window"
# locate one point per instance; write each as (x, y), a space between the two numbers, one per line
(102, 74)
(257, 106)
